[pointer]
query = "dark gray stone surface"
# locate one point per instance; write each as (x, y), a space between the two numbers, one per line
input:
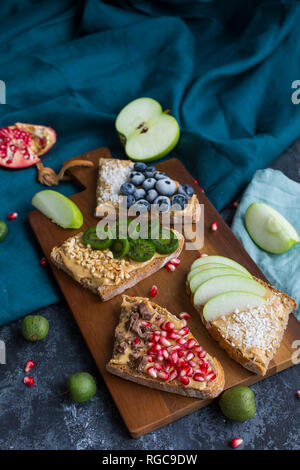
(42, 417)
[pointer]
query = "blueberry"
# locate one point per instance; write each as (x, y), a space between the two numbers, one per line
(162, 204)
(180, 201)
(139, 193)
(160, 175)
(186, 190)
(150, 171)
(166, 187)
(141, 206)
(151, 195)
(130, 200)
(149, 183)
(127, 188)
(136, 178)
(139, 166)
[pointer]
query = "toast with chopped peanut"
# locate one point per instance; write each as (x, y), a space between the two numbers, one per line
(156, 349)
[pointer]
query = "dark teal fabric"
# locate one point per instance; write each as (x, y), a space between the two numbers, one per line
(224, 68)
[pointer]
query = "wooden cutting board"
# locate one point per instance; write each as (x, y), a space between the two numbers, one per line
(143, 409)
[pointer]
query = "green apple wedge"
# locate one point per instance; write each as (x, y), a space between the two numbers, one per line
(57, 207)
(220, 260)
(198, 269)
(146, 131)
(229, 282)
(269, 229)
(229, 302)
(208, 273)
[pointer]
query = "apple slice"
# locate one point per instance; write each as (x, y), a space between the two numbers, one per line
(57, 207)
(218, 259)
(229, 302)
(229, 282)
(146, 131)
(205, 266)
(207, 274)
(269, 229)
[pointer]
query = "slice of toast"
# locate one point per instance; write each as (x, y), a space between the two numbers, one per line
(156, 349)
(252, 337)
(112, 174)
(100, 272)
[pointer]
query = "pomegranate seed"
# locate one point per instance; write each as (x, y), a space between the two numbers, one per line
(174, 357)
(298, 393)
(170, 267)
(163, 375)
(146, 323)
(152, 372)
(235, 204)
(184, 316)
(236, 442)
(198, 349)
(190, 343)
(181, 341)
(214, 226)
(28, 381)
(173, 375)
(190, 372)
(153, 291)
(185, 380)
(202, 354)
(43, 262)
(184, 371)
(182, 363)
(211, 376)
(12, 216)
(173, 335)
(202, 255)
(136, 341)
(176, 348)
(196, 181)
(193, 364)
(201, 370)
(29, 365)
(157, 366)
(181, 353)
(156, 347)
(160, 357)
(202, 189)
(150, 359)
(165, 342)
(168, 326)
(165, 354)
(184, 331)
(167, 366)
(175, 261)
(150, 352)
(190, 356)
(155, 338)
(198, 377)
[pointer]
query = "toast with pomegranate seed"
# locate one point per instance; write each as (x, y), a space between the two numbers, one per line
(103, 274)
(253, 336)
(155, 348)
(113, 173)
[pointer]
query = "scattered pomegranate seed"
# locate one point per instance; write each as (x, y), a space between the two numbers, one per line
(175, 261)
(190, 356)
(184, 331)
(196, 181)
(190, 343)
(298, 393)
(198, 377)
(202, 255)
(236, 442)
(158, 366)
(174, 357)
(146, 323)
(235, 204)
(28, 381)
(136, 341)
(153, 291)
(214, 226)
(184, 315)
(173, 335)
(202, 189)
(170, 267)
(168, 326)
(211, 376)
(185, 380)
(12, 216)
(165, 354)
(152, 372)
(43, 262)
(150, 359)
(163, 375)
(173, 375)
(29, 365)
(164, 342)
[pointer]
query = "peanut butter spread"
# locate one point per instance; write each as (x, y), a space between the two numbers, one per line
(156, 344)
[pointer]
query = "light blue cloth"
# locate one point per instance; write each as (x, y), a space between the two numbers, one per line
(274, 188)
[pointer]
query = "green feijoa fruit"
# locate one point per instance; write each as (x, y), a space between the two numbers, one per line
(120, 247)
(35, 327)
(237, 403)
(81, 386)
(166, 243)
(141, 250)
(98, 238)
(3, 230)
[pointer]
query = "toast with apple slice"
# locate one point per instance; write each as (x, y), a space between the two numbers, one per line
(156, 349)
(102, 273)
(113, 173)
(251, 336)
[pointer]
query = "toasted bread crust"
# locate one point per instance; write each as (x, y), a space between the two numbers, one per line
(235, 353)
(110, 291)
(213, 389)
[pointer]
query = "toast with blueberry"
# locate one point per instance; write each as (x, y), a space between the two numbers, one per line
(156, 349)
(140, 187)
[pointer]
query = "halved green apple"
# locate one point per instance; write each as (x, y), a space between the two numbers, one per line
(229, 282)
(269, 229)
(57, 207)
(147, 132)
(229, 302)
(207, 274)
(205, 266)
(218, 259)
